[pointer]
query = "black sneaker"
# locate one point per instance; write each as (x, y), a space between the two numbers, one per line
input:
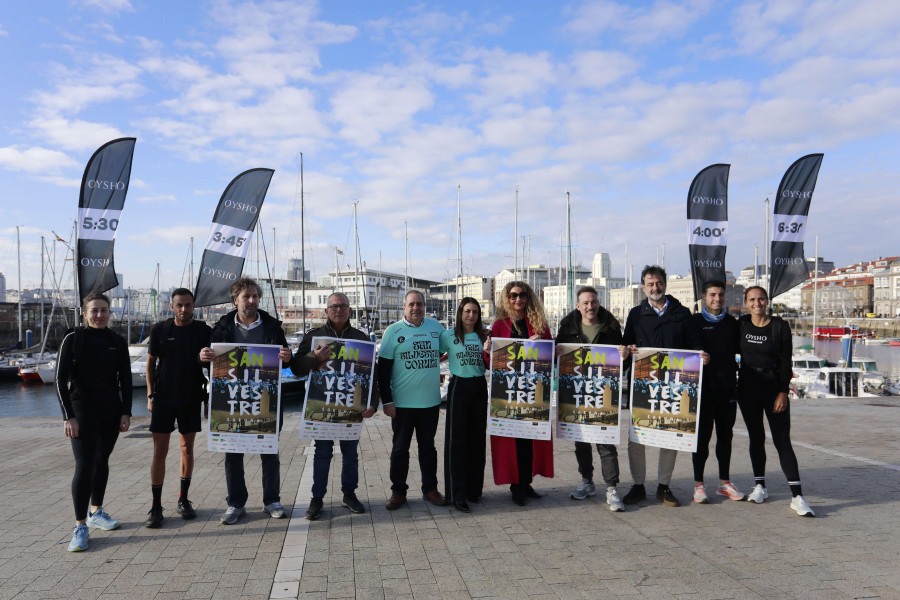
(665, 495)
(352, 502)
(315, 509)
(154, 521)
(635, 494)
(186, 509)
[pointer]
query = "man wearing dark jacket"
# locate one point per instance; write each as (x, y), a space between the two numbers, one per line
(307, 359)
(590, 323)
(719, 331)
(247, 325)
(659, 321)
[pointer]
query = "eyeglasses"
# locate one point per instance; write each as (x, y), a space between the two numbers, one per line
(339, 307)
(516, 296)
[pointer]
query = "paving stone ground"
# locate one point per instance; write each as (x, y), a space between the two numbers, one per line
(849, 454)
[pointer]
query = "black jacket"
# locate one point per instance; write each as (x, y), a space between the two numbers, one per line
(674, 329)
(223, 331)
(571, 330)
(720, 341)
(305, 360)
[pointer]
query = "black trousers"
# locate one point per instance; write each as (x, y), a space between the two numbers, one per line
(465, 438)
(716, 408)
(97, 435)
(525, 464)
(756, 402)
(609, 462)
(424, 422)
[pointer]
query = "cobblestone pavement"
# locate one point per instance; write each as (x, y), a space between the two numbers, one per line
(555, 547)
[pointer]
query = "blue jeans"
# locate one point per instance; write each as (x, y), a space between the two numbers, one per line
(237, 487)
(322, 466)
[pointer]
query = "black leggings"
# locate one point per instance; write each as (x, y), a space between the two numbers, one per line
(715, 408)
(754, 403)
(96, 438)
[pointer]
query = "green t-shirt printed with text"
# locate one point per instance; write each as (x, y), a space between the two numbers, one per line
(416, 376)
(467, 357)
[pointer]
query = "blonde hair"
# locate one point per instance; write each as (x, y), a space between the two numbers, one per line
(534, 310)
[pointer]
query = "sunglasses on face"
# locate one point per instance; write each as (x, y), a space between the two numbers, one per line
(516, 296)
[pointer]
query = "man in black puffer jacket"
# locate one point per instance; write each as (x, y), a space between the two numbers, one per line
(590, 323)
(659, 321)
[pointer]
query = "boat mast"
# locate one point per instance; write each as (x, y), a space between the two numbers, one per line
(569, 273)
(303, 249)
(768, 278)
(516, 238)
(42, 298)
(356, 261)
(458, 244)
(406, 258)
(815, 295)
(19, 259)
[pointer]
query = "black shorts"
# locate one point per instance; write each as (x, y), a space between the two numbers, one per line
(162, 419)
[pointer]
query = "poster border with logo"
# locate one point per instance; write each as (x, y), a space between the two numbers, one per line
(664, 436)
(533, 429)
(244, 442)
(593, 433)
(325, 430)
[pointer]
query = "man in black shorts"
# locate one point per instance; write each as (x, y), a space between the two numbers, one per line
(175, 390)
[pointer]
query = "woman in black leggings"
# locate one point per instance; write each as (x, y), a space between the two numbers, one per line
(765, 376)
(93, 383)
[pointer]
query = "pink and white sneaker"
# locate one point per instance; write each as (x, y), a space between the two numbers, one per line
(729, 491)
(700, 496)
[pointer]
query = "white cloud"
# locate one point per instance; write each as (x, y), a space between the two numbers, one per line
(371, 105)
(3, 32)
(659, 22)
(598, 69)
(110, 6)
(514, 127)
(34, 160)
(158, 199)
(74, 134)
(176, 235)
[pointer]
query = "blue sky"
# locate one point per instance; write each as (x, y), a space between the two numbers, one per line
(395, 104)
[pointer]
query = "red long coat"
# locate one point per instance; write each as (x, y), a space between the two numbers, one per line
(503, 449)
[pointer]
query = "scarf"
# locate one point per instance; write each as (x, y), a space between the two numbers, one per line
(711, 317)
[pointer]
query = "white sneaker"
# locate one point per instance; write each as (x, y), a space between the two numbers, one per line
(700, 496)
(585, 488)
(612, 498)
(102, 520)
(798, 503)
(232, 514)
(275, 510)
(758, 495)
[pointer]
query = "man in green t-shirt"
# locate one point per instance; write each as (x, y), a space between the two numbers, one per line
(409, 378)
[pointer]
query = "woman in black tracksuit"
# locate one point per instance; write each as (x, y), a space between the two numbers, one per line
(765, 375)
(464, 439)
(93, 384)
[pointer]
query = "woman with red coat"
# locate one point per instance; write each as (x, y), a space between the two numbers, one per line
(520, 314)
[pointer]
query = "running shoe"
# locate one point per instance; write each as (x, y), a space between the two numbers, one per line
(101, 520)
(798, 504)
(80, 538)
(232, 514)
(275, 510)
(315, 509)
(700, 496)
(155, 518)
(186, 509)
(730, 491)
(758, 495)
(612, 498)
(585, 488)
(351, 502)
